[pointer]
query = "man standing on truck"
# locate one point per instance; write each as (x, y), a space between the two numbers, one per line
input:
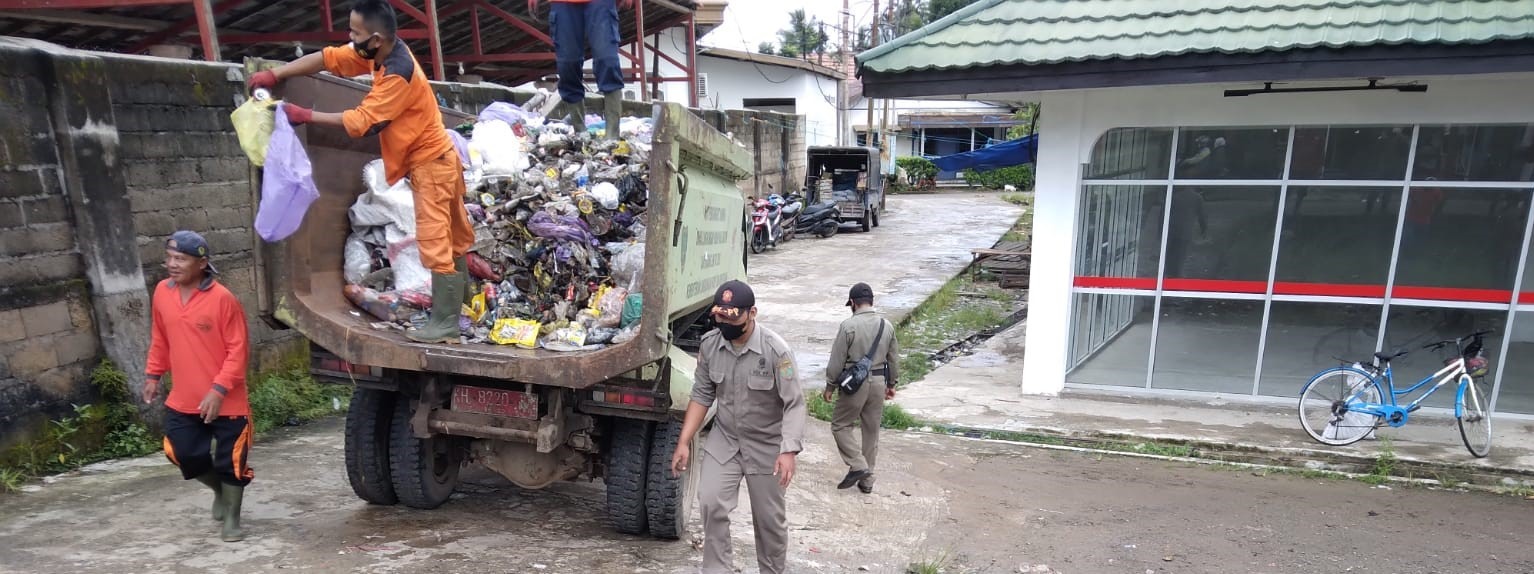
(575, 24)
(758, 433)
(199, 338)
(865, 334)
(401, 110)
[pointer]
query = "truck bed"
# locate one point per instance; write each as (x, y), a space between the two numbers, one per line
(303, 272)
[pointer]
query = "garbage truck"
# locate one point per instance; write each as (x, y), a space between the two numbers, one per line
(421, 412)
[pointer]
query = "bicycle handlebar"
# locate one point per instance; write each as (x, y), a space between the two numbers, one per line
(1447, 342)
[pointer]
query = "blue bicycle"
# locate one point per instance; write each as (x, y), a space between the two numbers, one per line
(1344, 404)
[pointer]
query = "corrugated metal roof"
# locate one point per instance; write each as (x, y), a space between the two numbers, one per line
(1000, 32)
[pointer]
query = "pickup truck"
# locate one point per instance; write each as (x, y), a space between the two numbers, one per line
(420, 412)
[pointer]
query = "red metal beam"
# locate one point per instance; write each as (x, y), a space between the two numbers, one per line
(207, 30)
(479, 46)
(523, 57)
(409, 10)
(317, 37)
(644, 86)
(326, 17)
(455, 8)
(181, 27)
(78, 4)
(668, 57)
(436, 41)
(517, 22)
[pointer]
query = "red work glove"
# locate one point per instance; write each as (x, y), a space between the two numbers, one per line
(297, 115)
(262, 79)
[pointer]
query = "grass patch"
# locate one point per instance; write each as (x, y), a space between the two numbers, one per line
(958, 310)
(937, 564)
(1384, 464)
(289, 396)
(895, 418)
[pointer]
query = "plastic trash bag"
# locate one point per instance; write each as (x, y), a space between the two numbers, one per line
(384, 204)
(520, 332)
(460, 144)
(633, 308)
(601, 335)
(500, 151)
(358, 263)
(611, 307)
(606, 194)
(287, 185)
(254, 121)
(409, 273)
(626, 334)
(507, 112)
(628, 267)
(568, 228)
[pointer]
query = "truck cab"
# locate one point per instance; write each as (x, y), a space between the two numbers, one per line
(851, 177)
(420, 412)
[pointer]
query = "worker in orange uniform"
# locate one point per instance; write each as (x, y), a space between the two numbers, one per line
(575, 25)
(199, 338)
(401, 109)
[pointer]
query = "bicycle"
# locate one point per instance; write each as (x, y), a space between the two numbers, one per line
(1357, 408)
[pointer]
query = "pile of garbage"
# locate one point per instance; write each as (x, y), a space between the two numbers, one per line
(558, 257)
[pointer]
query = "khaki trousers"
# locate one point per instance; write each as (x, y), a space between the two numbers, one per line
(718, 493)
(864, 409)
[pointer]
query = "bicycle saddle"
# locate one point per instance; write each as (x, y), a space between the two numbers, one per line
(1386, 357)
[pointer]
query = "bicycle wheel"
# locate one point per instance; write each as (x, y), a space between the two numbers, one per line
(1472, 410)
(1327, 406)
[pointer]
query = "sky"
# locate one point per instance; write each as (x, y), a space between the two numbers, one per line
(748, 23)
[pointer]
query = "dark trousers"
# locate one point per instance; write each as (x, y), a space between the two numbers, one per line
(573, 26)
(222, 447)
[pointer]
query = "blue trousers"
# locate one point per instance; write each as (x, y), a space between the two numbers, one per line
(574, 25)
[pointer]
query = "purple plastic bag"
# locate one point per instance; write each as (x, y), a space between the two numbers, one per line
(460, 143)
(510, 113)
(545, 224)
(287, 184)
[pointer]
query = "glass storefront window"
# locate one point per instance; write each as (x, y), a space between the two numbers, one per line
(1337, 236)
(1350, 152)
(1475, 153)
(1120, 231)
(1517, 392)
(1461, 238)
(1219, 232)
(1304, 338)
(1110, 343)
(1231, 153)
(1409, 328)
(1131, 153)
(1207, 345)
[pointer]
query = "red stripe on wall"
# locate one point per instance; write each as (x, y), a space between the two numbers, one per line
(1452, 294)
(1116, 282)
(1215, 285)
(1526, 298)
(1328, 289)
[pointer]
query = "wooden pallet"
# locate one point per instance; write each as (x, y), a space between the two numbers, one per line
(1010, 261)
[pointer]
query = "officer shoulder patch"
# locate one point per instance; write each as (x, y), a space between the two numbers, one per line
(786, 370)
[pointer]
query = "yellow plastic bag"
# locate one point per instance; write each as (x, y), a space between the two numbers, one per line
(254, 121)
(476, 308)
(520, 332)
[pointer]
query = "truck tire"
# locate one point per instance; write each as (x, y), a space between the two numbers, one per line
(669, 499)
(867, 222)
(876, 218)
(367, 445)
(627, 466)
(425, 471)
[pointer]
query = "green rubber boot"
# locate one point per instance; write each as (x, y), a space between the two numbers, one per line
(211, 481)
(575, 114)
(446, 302)
(233, 496)
(612, 113)
(461, 264)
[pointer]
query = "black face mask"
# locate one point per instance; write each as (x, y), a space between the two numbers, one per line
(731, 332)
(364, 51)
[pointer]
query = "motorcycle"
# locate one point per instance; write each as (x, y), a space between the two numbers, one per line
(822, 219)
(766, 225)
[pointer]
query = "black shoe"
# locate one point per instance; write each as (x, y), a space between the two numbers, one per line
(866, 488)
(852, 478)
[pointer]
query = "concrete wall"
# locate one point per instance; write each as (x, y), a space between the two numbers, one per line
(730, 82)
(1072, 121)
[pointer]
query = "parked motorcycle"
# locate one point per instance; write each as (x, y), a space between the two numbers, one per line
(766, 225)
(821, 219)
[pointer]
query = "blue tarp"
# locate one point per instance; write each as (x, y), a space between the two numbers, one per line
(1006, 154)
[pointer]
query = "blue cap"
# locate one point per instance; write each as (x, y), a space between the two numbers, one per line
(192, 243)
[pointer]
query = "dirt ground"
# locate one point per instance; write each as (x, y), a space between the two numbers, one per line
(973, 506)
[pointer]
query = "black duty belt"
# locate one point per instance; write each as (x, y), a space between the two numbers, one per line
(883, 372)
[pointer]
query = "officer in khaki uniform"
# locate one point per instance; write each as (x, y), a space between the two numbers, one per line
(759, 430)
(864, 408)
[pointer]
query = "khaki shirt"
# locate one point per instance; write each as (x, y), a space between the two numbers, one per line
(761, 410)
(851, 344)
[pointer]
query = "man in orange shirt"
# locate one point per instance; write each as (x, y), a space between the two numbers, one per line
(199, 338)
(575, 24)
(401, 109)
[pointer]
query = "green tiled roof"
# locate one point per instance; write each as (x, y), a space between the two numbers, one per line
(1001, 32)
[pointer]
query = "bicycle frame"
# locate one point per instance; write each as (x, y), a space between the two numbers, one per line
(1393, 413)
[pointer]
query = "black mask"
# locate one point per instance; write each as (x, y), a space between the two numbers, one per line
(731, 332)
(364, 51)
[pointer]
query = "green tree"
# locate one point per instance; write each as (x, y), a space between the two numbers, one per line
(766, 48)
(909, 15)
(802, 37)
(1027, 117)
(936, 9)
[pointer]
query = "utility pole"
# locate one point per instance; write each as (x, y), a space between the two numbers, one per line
(874, 42)
(841, 85)
(884, 119)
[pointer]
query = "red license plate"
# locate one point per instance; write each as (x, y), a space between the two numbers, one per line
(497, 402)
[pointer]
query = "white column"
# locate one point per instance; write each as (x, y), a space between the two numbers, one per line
(1057, 171)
